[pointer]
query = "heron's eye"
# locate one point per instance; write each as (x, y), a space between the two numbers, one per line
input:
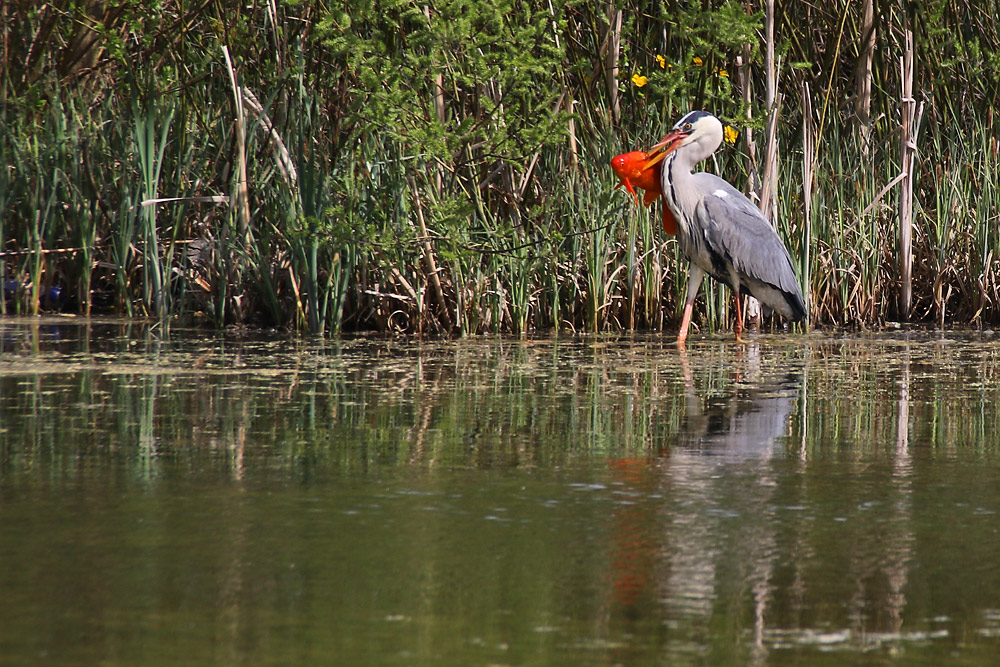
(687, 126)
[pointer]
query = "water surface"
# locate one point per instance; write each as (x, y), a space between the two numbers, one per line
(200, 498)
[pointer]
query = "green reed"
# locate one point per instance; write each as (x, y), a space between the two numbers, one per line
(471, 202)
(152, 129)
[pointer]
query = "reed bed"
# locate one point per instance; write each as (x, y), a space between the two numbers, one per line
(444, 169)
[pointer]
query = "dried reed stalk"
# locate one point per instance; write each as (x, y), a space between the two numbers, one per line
(242, 191)
(430, 264)
(808, 155)
(769, 182)
(863, 96)
(910, 127)
(612, 49)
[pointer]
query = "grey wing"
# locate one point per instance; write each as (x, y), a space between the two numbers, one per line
(737, 230)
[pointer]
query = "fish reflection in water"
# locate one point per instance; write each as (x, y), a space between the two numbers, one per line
(714, 536)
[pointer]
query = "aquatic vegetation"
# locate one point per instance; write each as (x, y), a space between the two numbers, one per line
(377, 172)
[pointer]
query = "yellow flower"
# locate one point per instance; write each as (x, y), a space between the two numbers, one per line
(661, 61)
(722, 72)
(639, 80)
(730, 134)
(697, 61)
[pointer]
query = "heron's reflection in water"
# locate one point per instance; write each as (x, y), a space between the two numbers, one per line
(719, 477)
(714, 484)
(729, 543)
(744, 419)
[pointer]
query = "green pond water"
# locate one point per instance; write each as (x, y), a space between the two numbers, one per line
(187, 497)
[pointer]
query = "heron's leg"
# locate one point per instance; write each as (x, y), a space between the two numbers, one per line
(738, 325)
(695, 276)
(734, 280)
(685, 323)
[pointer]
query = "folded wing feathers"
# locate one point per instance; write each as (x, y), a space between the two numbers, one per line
(737, 229)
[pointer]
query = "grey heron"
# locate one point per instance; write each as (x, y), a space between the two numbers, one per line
(719, 230)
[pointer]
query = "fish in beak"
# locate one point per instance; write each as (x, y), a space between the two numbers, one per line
(639, 169)
(665, 147)
(629, 167)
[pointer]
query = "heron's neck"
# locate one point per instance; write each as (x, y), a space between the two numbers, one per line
(678, 191)
(679, 167)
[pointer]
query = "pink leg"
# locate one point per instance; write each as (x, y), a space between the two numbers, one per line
(738, 326)
(695, 276)
(685, 322)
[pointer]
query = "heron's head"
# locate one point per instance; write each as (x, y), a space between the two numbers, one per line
(699, 133)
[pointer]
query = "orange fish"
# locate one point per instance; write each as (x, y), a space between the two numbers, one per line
(630, 169)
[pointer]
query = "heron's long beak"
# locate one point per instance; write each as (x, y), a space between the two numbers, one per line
(665, 147)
